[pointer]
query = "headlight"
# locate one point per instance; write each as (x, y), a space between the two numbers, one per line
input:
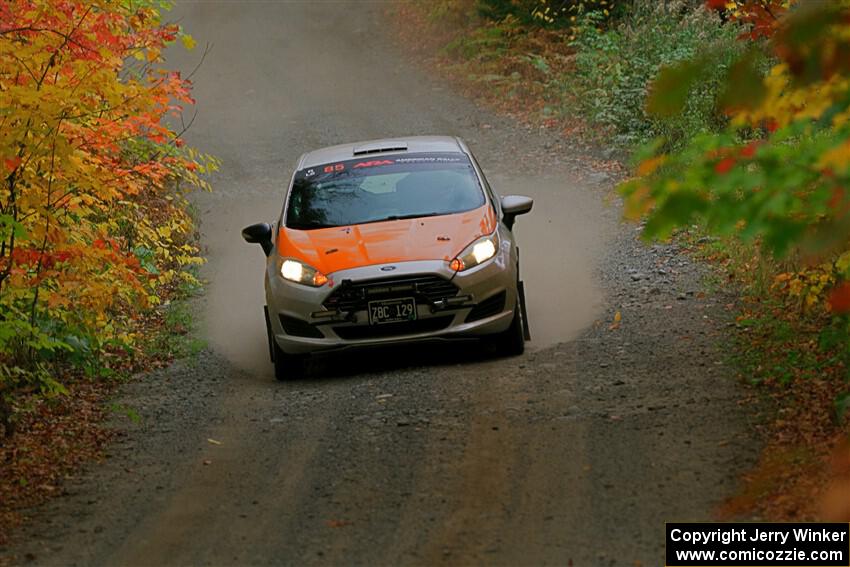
(299, 272)
(476, 253)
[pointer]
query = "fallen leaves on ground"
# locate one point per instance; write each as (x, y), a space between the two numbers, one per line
(55, 436)
(52, 440)
(794, 380)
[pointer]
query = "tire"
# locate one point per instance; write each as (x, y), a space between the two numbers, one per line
(287, 366)
(511, 342)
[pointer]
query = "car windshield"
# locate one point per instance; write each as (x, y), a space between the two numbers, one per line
(375, 189)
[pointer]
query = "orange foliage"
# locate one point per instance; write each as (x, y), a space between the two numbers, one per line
(92, 213)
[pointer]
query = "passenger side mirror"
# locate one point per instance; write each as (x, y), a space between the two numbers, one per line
(260, 233)
(513, 206)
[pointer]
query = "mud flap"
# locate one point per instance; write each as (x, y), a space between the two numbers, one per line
(269, 331)
(526, 330)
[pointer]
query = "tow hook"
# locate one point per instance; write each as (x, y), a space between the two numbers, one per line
(336, 316)
(450, 302)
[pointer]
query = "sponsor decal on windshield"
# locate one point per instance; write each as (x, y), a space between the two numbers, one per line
(373, 163)
(364, 164)
(335, 168)
(431, 159)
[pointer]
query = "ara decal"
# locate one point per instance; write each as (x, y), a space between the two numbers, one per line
(373, 163)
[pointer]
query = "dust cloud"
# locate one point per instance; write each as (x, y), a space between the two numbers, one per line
(559, 241)
(233, 319)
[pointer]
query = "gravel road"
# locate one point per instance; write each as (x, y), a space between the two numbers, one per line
(577, 451)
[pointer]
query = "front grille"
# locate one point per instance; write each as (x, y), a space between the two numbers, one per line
(298, 328)
(428, 325)
(490, 306)
(355, 296)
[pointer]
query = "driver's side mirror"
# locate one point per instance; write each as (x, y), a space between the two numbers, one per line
(260, 233)
(513, 206)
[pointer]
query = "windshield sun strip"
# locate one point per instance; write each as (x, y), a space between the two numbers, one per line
(463, 158)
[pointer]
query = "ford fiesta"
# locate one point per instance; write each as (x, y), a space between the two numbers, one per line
(390, 241)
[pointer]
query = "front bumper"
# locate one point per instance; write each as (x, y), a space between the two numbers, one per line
(304, 320)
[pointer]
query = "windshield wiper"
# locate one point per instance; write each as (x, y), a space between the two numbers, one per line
(310, 226)
(410, 216)
(314, 226)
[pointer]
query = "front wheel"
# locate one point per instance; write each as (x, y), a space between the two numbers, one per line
(287, 366)
(511, 342)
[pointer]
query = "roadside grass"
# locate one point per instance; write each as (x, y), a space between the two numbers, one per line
(178, 337)
(512, 68)
(589, 80)
(55, 435)
(504, 65)
(126, 411)
(786, 347)
(792, 355)
(614, 63)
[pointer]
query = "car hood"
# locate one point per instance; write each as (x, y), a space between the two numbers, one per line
(428, 238)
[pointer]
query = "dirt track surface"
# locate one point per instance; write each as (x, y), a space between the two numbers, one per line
(578, 451)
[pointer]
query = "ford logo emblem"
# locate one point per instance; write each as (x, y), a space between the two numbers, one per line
(387, 268)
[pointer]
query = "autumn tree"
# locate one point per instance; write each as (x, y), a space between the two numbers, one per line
(779, 173)
(93, 218)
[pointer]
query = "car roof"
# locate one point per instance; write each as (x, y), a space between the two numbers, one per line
(382, 147)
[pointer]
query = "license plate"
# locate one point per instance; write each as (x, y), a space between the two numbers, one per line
(392, 310)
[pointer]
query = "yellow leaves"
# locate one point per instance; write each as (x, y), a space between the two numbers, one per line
(842, 264)
(188, 41)
(837, 158)
(99, 214)
(786, 103)
(810, 286)
(189, 260)
(795, 287)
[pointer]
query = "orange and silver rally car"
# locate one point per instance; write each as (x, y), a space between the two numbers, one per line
(390, 241)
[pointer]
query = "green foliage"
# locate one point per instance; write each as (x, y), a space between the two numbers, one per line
(786, 187)
(451, 12)
(773, 346)
(486, 43)
(773, 194)
(549, 13)
(498, 10)
(179, 339)
(775, 177)
(126, 411)
(613, 69)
